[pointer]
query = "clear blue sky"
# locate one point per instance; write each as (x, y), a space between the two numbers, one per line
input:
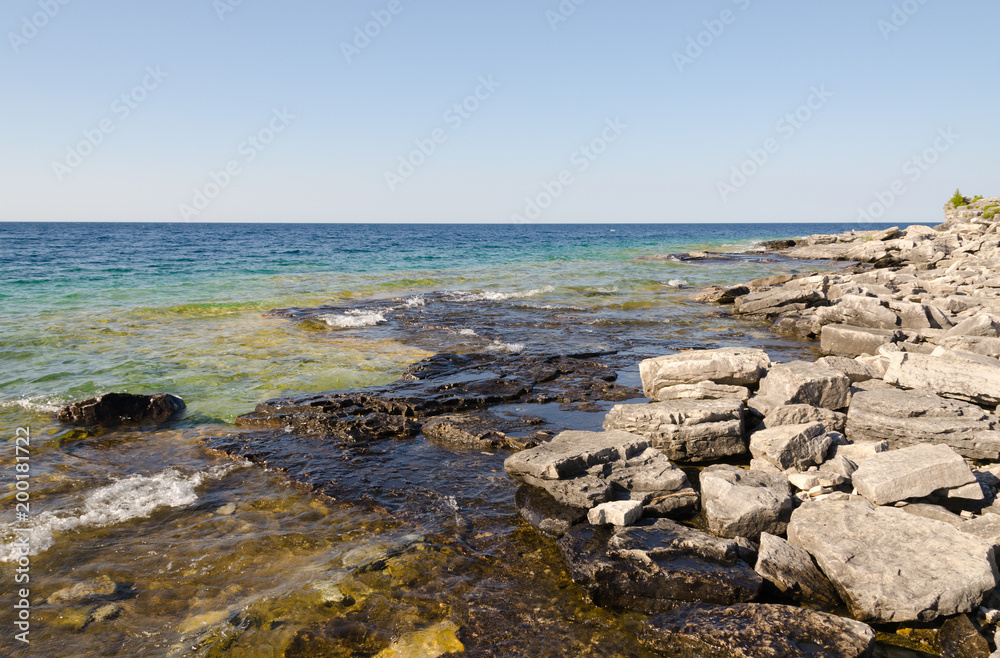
(681, 126)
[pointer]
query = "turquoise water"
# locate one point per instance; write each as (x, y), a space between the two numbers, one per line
(186, 309)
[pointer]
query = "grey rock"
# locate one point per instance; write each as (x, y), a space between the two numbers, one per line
(741, 503)
(792, 571)
(777, 301)
(812, 479)
(855, 370)
(802, 382)
(757, 630)
(983, 345)
(981, 324)
(858, 311)
(104, 613)
(962, 379)
(573, 452)
(617, 512)
(913, 315)
(735, 366)
(685, 430)
(913, 472)
(859, 451)
(986, 527)
(929, 511)
(595, 467)
(652, 566)
(798, 414)
(791, 446)
(887, 565)
(906, 418)
(845, 340)
(703, 391)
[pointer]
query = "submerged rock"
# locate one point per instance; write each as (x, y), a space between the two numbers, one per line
(113, 409)
(685, 430)
(890, 566)
(959, 638)
(755, 630)
(88, 589)
(652, 566)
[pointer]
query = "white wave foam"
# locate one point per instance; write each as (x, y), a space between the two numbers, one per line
(491, 296)
(467, 332)
(677, 283)
(133, 497)
(510, 348)
(605, 290)
(414, 302)
(45, 404)
(352, 319)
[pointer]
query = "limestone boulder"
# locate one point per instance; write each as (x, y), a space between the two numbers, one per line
(802, 382)
(684, 430)
(734, 366)
(888, 565)
(742, 503)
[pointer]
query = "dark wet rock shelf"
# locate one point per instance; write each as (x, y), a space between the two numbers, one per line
(114, 409)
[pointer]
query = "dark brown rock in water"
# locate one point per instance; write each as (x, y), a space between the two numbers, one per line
(754, 630)
(540, 509)
(776, 245)
(113, 409)
(653, 566)
(445, 384)
(959, 638)
(721, 294)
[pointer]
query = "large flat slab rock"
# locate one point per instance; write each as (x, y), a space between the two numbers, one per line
(802, 382)
(777, 301)
(572, 453)
(735, 366)
(914, 472)
(906, 418)
(890, 566)
(652, 566)
(792, 571)
(799, 414)
(791, 446)
(585, 469)
(756, 630)
(703, 391)
(950, 377)
(858, 311)
(846, 340)
(684, 430)
(742, 503)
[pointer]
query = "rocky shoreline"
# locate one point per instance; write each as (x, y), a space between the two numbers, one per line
(744, 507)
(870, 496)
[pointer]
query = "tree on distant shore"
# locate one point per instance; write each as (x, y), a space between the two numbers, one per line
(958, 200)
